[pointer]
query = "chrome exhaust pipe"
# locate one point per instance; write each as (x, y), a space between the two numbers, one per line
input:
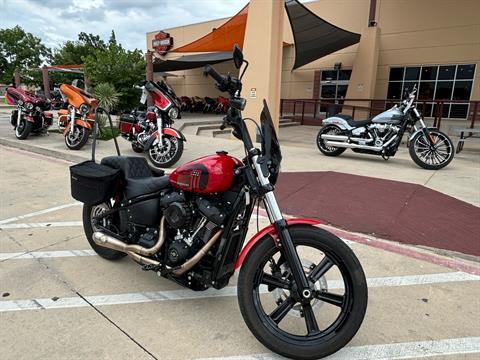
(334, 137)
(353, 146)
(110, 242)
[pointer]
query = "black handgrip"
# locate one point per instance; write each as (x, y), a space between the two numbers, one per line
(209, 70)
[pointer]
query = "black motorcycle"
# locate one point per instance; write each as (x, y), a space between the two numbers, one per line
(301, 290)
(381, 135)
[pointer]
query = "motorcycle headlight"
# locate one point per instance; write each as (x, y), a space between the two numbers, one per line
(20, 102)
(29, 106)
(173, 113)
(84, 108)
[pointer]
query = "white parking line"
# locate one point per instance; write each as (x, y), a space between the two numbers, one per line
(406, 350)
(45, 254)
(40, 212)
(186, 294)
(42, 225)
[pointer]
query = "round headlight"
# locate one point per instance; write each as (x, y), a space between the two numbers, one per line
(29, 106)
(173, 113)
(84, 108)
(20, 102)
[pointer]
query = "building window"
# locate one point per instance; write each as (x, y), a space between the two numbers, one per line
(334, 83)
(434, 82)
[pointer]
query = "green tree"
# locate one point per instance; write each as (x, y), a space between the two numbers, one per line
(20, 50)
(106, 95)
(119, 67)
(73, 53)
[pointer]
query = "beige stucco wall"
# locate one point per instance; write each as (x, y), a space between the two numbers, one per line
(413, 32)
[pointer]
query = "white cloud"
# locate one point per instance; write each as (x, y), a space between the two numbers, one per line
(55, 21)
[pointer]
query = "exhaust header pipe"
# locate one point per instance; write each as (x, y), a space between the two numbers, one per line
(140, 254)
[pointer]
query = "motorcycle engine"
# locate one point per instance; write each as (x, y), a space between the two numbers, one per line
(191, 223)
(382, 132)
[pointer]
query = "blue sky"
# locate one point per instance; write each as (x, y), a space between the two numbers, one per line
(55, 21)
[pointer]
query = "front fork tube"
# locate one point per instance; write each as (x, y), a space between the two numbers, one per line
(19, 117)
(284, 238)
(72, 121)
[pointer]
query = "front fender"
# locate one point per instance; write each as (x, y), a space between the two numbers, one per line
(419, 130)
(173, 132)
(269, 230)
(78, 122)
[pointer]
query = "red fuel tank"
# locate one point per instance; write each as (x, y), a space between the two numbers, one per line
(208, 174)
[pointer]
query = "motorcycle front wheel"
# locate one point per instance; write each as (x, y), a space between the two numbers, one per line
(166, 154)
(77, 139)
(23, 129)
(428, 156)
(272, 308)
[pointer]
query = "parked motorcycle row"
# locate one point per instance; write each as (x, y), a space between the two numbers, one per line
(207, 104)
(149, 131)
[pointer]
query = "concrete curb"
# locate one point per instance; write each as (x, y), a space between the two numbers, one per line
(42, 151)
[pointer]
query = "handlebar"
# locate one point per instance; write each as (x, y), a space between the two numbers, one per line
(220, 79)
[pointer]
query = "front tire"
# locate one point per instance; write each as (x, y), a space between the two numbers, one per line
(431, 157)
(168, 154)
(77, 139)
(268, 327)
(23, 129)
(329, 150)
(88, 227)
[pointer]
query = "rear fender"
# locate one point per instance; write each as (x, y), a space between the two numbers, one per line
(269, 231)
(338, 121)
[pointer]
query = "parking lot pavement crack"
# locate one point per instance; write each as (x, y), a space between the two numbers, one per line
(116, 325)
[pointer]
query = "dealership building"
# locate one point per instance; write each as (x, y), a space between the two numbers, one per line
(433, 44)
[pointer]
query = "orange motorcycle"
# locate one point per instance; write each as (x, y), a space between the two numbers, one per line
(76, 121)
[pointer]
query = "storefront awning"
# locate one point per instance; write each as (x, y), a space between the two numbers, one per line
(191, 61)
(222, 38)
(313, 36)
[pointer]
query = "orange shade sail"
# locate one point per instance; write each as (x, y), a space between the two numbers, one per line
(222, 38)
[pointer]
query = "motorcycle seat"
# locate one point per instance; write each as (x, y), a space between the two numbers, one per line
(352, 122)
(138, 175)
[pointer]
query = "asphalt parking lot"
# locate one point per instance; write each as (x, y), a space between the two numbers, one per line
(61, 301)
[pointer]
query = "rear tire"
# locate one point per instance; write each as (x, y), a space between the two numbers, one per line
(137, 148)
(23, 129)
(329, 150)
(320, 343)
(105, 253)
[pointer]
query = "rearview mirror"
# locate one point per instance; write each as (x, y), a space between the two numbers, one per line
(237, 56)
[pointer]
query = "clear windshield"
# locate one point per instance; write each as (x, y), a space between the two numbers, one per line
(270, 144)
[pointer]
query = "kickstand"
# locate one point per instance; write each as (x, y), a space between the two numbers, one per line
(385, 157)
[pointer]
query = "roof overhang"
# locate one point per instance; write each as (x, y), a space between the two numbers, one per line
(187, 62)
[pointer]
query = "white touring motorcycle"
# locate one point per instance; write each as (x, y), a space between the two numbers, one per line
(382, 134)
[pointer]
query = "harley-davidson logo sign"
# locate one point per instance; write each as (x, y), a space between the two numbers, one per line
(162, 42)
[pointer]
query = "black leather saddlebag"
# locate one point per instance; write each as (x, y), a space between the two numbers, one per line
(93, 183)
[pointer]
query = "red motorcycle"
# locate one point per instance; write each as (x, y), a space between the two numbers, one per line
(301, 290)
(151, 131)
(30, 114)
(185, 103)
(222, 105)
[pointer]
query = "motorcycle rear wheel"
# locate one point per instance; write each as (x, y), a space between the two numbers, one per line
(88, 227)
(428, 157)
(329, 150)
(23, 129)
(270, 328)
